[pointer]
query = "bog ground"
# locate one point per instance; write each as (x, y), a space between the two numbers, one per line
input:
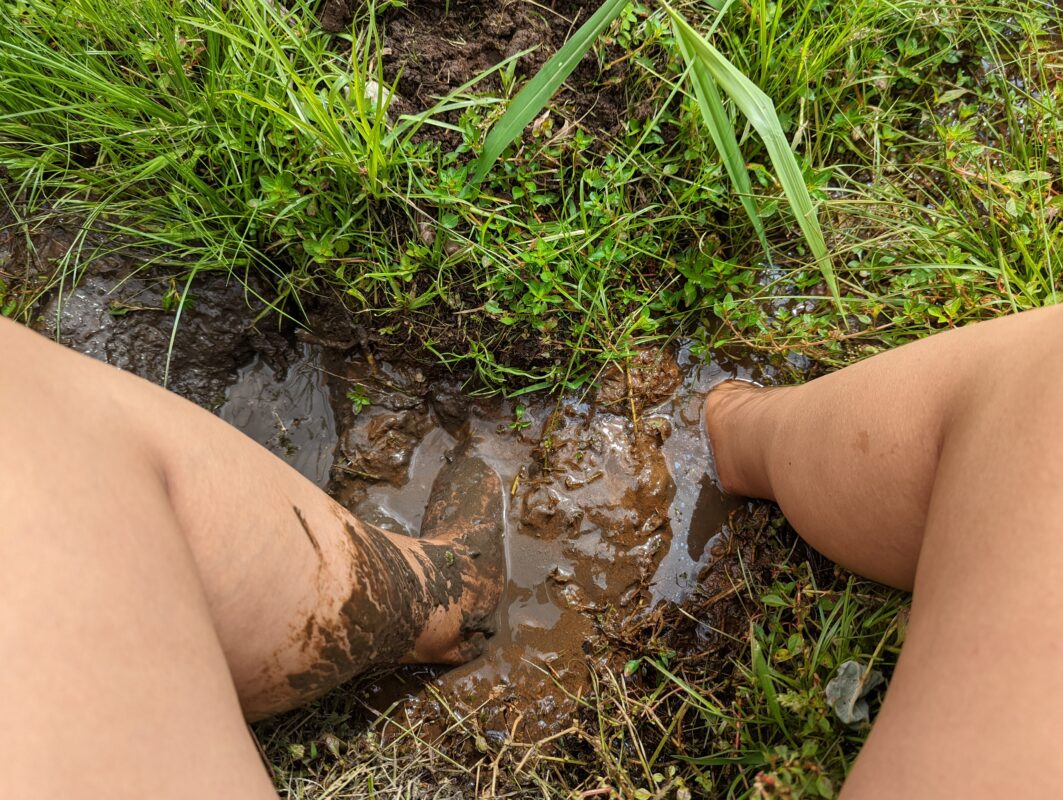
(253, 200)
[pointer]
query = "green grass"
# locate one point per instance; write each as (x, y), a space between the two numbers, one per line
(232, 137)
(211, 136)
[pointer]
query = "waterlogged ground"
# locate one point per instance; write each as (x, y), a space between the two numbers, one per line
(596, 680)
(601, 512)
(609, 504)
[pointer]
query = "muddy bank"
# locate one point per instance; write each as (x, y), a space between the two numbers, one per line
(131, 322)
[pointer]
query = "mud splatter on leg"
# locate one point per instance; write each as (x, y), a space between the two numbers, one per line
(433, 601)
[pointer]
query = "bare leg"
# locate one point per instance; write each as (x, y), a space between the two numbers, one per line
(937, 466)
(164, 576)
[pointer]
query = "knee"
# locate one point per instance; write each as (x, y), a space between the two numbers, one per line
(31, 379)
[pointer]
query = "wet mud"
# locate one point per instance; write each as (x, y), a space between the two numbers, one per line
(610, 509)
(129, 322)
(607, 506)
(286, 409)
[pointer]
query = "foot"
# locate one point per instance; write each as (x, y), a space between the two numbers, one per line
(734, 444)
(462, 538)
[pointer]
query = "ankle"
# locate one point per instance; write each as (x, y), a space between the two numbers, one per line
(736, 433)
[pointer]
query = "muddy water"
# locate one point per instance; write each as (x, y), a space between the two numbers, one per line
(609, 504)
(608, 500)
(287, 410)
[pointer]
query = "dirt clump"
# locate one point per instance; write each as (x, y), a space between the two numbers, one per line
(647, 379)
(382, 449)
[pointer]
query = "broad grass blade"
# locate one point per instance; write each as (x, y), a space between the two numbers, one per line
(533, 97)
(760, 111)
(724, 137)
(767, 685)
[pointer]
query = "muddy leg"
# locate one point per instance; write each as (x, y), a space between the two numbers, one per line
(938, 466)
(165, 576)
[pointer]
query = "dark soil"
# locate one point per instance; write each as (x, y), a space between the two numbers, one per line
(434, 48)
(121, 320)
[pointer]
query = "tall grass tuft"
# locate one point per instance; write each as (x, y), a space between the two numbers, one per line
(724, 137)
(709, 72)
(708, 66)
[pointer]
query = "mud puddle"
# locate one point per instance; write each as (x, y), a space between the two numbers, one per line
(609, 506)
(287, 410)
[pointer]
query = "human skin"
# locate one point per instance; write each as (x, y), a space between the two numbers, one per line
(165, 577)
(935, 467)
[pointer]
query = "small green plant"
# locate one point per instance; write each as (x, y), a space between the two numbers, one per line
(520, 420)
(359, 399)
(8, 303)
(710, 68)
(173, 298)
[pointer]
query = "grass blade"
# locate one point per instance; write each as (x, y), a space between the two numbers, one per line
(764, 679)
(760, 111)
(531, 99)
(723, 136)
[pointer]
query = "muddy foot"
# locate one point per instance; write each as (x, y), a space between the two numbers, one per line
(463, 529)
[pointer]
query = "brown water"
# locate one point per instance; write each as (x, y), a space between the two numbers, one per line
(603, 509)
(287, 410)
